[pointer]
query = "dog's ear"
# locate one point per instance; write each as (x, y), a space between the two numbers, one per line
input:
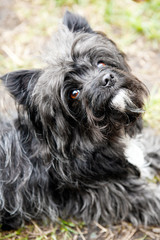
(20, 84)
(76, 23)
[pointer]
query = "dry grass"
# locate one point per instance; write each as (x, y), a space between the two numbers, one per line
(61, 231)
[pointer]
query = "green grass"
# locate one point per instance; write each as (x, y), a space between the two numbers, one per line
(134, 20)
(127, 16)
(61, 3)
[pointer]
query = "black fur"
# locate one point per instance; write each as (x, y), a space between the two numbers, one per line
(66, 154)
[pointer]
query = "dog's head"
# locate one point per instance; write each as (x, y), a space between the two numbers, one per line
(86, 91)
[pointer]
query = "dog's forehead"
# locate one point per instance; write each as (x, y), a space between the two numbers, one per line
(65, 43)
(89, 43)
(59, 47)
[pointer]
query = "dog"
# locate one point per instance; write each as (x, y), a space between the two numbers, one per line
(75, 147)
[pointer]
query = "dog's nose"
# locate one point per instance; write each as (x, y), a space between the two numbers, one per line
(108, 80)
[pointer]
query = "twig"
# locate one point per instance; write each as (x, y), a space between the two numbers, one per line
(39, 230)
(12, 55)
(80, 233)
(152, 235)
(130, 235)
(101, 227)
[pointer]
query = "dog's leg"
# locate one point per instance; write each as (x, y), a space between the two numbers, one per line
(15, 171)
(131, 200)
(143, 201)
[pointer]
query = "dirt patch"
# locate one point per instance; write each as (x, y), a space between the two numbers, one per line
(145, 63)
(8, 17)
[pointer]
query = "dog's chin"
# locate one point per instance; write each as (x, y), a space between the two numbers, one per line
(117, 111)
(122, 101)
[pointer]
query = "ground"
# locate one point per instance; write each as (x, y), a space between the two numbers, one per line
(25, 27)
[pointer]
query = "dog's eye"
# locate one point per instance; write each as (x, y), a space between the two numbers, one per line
(74, 94)
(101, 64)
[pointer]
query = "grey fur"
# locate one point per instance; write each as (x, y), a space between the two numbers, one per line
(65, 157)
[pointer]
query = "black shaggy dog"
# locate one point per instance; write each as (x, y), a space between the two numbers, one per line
(75, 148)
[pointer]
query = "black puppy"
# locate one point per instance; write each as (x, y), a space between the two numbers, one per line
(74, 148)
